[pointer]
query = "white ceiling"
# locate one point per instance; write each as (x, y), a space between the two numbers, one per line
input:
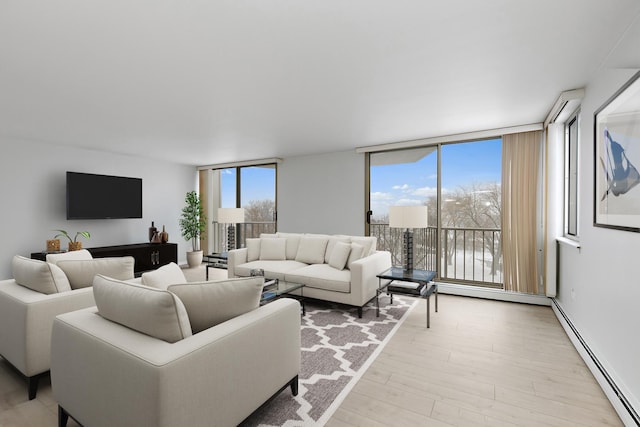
(205, 82)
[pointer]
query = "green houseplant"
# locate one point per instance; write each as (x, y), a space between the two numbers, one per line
(192, 225)
(74, 244)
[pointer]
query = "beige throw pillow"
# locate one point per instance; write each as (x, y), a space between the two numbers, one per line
(356, 253)
(293, 241)
(168, 274)
(253, 249)
(273, 249)
(211, 303)
(311, 250)
(82, 272)
(332, 243)
(39, 276)
(154, 312)
(71, 255)
(340, 255)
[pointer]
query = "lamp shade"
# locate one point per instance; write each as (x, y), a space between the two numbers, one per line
(230, 215)
(408, 216)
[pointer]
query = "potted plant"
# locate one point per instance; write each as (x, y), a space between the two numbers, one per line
(192, 225)
(74, 244)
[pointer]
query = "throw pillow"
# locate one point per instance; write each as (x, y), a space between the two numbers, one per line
(332, 243)
(368, 242)
(39, 276)
(211, 303)
(293, 241)
(340, 255)
(82, 272)
(71, 255)
(357, 252)
(164, 276)
(268, 235)
(253, 249)
(154, 312)
(311, 250)
(273, 249)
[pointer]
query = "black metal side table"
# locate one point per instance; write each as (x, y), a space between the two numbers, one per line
(421, 281)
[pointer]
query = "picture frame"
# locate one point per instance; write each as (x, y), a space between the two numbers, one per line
(617, 159)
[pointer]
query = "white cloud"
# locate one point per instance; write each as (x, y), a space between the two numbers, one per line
(424, 192)
(409, 202)
(402, 187)
(379, 195)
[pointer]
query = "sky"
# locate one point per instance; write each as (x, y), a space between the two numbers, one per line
(396, 184)
(412, 183)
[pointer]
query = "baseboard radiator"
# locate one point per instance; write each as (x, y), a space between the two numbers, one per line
(623, 400)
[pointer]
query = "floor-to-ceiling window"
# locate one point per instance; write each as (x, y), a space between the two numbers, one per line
(460, 185)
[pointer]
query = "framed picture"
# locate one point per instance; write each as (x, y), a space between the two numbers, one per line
(617, 159)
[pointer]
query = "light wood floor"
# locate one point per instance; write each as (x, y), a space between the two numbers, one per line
(481, 363)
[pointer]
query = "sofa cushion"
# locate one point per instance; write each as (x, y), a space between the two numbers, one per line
(71, 255)
(357, 252)
(272, 269)
(293, 240)
(321, 276)
(273, 249)
(211, 303)
(332, 243)
(164, 276)
(268, 235)
(253, 249)
(311, 250)
(82, 272)
(151, 311)
(39, 276)
(340, 255)
(368, 242)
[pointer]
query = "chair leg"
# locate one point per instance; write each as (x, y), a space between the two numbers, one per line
(63, 417)
(32, 383)
(294, 386)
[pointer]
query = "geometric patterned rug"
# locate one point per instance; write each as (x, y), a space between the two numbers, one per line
(337, 348)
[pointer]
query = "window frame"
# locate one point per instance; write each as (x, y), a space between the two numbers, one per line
(571, 230)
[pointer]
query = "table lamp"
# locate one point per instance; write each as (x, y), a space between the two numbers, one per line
(408, 218)
(231, 217)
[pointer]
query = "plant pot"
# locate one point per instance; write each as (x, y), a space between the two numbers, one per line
(53, 245)
(194, 258)
(75, 246)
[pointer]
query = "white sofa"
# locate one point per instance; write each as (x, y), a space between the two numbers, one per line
(39, 292)
(149, 357)
(336, 268)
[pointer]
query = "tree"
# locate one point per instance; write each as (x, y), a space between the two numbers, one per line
(260, 210)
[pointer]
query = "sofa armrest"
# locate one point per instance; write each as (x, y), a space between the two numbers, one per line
(26, 317)
(363, 275)
(223, 373)
(235, 257)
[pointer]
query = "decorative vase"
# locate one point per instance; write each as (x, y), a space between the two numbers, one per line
(75, 246)
(194, 258)
(164, 236)
(152, 231)
(156, 238)
(53, 245)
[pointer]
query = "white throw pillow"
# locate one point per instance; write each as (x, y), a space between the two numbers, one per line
(311, 250)
(154, 312)
(340, 255)
(211, 303)
(82, 272)
(268, 235)
(368, 242)
(293, 241)
(39, 276)
(273, 249)
(357, 252)
(71, 255)
(168, 274)
(332, 243)
(253, 249)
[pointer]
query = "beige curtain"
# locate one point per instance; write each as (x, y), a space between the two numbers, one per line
(204, 192)
(520, 165)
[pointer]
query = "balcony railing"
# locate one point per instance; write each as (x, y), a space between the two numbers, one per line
(244, 231)
(469, 255)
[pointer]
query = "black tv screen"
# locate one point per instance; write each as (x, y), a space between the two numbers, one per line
(91, 196)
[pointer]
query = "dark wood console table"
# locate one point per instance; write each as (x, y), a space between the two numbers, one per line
(148, 256)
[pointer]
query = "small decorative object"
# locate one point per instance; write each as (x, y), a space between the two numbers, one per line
(192, 225)
(164, 236)
(74, 244)
(617, 160)
(156, 238)
(152, 231)
(53, 245)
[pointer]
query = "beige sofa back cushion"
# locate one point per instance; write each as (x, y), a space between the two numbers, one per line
(164, 276)
(273, 249)
(71, 255)
(253, 249)
(39, 276)
(311, 250)
(82, 272)
(293, 240)
(211, 303)
(154, 312)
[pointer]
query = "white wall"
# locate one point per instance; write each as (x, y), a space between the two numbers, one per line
(322, 194)
(34, 201)
(599, 286)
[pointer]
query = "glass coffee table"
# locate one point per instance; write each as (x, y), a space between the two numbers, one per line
(274, 289)
(417, 283)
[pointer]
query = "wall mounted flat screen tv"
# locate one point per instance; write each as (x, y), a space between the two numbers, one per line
(91, 196)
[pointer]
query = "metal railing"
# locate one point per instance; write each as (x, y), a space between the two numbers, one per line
(468, 255)
(246, 230)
